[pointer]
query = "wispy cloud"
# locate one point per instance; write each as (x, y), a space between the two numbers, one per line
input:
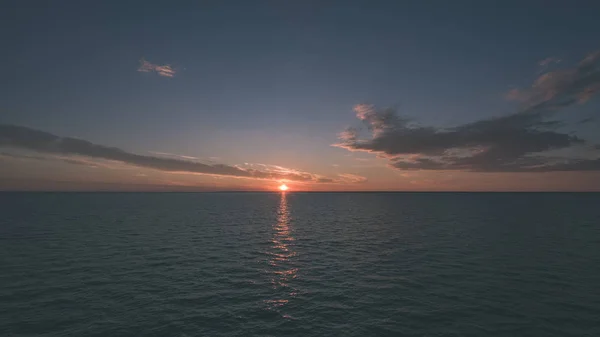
(164, 70)
(174, 155)
(283, 171)
(560, 88)
(21, 156)
(514, 143)
(74, 161)
(352, 178)
(43, 142)
(548, 61)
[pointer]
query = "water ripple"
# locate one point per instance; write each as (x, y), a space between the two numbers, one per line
(294, 264)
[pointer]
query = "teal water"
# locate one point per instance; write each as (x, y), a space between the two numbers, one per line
(299, 264)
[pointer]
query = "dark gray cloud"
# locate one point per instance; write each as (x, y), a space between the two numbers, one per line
(509, 143)
(44, 142)
(514, 143)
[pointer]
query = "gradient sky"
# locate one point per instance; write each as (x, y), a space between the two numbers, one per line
(322, 95)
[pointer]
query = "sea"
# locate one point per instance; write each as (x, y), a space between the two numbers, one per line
(299, 264)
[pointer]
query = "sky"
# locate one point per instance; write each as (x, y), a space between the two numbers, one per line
(319, 95)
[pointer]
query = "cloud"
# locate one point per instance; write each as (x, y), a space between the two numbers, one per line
(43, 142)
(164, 70)
(280, 170)
(560, 88)
(548, 61)
(513, 143)
(166, 154)
(519, 142)
(352, 178)
(21, 156)
(73, 161)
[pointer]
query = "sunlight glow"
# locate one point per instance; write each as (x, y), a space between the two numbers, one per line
(283, 187)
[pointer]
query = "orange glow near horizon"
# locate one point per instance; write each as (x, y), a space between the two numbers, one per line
(283, 187)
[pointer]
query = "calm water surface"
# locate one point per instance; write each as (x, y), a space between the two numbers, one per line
(299, 264)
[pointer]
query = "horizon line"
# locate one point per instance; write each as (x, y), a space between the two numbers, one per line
(287, 192)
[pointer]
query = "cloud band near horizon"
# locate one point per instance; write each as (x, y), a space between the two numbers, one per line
(43, 142)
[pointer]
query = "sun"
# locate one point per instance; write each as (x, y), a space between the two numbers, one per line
(283, 187)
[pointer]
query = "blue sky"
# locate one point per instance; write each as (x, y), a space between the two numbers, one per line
(275, 82)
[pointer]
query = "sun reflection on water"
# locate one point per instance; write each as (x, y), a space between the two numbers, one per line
(281, 263)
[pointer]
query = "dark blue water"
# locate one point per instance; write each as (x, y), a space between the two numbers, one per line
(299, 264)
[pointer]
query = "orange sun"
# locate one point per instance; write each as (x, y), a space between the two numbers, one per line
(283, 187)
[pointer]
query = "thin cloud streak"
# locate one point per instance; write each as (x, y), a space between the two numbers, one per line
(74, 161)
(43, 142)
(167, 154)
(548, 61)
(352, 178)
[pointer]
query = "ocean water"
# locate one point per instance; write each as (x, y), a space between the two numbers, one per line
(299, 264)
